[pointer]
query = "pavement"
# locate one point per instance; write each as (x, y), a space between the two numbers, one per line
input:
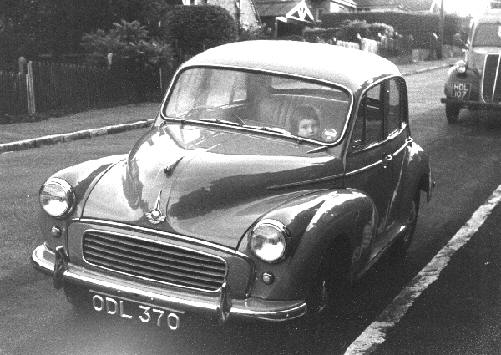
(88, 124)
(447, 319)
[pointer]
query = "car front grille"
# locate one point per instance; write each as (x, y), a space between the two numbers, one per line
(153, 260)
(491, 85)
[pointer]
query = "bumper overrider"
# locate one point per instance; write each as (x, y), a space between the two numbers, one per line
(221, 305)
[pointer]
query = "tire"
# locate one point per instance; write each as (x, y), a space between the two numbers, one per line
(77, 297)
(331, 289)
(402, 244)
(452, 112)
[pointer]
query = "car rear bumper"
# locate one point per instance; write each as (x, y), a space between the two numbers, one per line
(217, 304)
(471, 104)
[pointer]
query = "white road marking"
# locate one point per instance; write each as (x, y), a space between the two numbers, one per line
(375, 333)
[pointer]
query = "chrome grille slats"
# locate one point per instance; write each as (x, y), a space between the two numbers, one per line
(490, 75)
(140, 261)
(496, 97)
(151, 251)
(154, 260)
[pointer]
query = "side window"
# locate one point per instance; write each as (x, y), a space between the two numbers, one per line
(374, 109)
(394, 114)
(368, 127)
(358, 134)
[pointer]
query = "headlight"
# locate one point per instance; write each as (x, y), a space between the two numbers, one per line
(267, 240)
(461, 67)
(56, 197)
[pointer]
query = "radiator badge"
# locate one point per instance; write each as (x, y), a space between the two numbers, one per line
(155, 216)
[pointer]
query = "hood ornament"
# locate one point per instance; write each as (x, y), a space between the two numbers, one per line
(169, 169)
(155, 216)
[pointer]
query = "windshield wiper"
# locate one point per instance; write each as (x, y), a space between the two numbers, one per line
(281, 131)
(217, 120)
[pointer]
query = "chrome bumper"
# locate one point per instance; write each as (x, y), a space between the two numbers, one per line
(471, 103)
(218, 305)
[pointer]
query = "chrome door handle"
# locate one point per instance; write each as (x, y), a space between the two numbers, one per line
(387, 160)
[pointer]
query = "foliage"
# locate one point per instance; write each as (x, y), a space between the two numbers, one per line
(127, 41)
(255, 32)
(198, 27)
(317, 34)
(351, 29)
(419, 26)
(56, 27)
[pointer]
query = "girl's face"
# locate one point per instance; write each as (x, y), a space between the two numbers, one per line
(307, 128)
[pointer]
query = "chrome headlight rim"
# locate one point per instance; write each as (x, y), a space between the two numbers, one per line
(461, 67)
(67, 191)
(282, 236)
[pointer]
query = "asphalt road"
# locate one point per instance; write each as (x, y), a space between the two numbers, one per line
(36, 319)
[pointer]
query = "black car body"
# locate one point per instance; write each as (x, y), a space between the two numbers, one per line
(219, 209)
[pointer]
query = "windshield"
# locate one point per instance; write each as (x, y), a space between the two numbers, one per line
(487, 35)
(279, 104)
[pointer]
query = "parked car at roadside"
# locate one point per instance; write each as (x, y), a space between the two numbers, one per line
(474, 82)
(275, 175)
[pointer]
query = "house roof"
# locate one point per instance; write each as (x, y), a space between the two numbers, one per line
(351, 68)
(274, 8)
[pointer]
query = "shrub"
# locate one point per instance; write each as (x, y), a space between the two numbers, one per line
(198, 27)
(127, 41)
(420, 26)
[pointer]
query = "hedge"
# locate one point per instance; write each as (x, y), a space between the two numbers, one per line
(420, 26)
(195, 28)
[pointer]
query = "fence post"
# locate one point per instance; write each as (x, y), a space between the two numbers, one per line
(31, 89)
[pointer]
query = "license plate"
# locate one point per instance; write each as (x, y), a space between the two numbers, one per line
(132, 310)
(461, 90)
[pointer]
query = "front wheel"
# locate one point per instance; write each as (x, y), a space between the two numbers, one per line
(399, 252)
(452, 112)
(77, 297)
(331, 288)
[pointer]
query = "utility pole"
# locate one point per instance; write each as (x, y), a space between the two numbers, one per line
(237, 16)
(441, 31)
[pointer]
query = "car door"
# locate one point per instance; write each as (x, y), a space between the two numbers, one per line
(368, 162)
(396, 140)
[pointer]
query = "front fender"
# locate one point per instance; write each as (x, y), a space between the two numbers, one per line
(81, 177)
(314, 222)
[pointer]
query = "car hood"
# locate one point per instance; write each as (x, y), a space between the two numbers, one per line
(476, 58)
(208, 182)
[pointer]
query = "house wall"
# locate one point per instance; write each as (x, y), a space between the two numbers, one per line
(247, 14)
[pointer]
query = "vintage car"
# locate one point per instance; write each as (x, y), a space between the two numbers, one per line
(225, 209)
(473, 83)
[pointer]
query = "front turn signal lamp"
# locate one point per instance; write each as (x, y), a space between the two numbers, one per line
(268, 240)
(57, 197)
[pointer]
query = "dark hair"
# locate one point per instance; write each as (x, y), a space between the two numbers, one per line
(302, 113)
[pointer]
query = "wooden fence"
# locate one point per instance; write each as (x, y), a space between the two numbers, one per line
(13, 93)
(52, 86)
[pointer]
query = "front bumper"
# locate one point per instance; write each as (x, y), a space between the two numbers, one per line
(471, 104)
(219, 305)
